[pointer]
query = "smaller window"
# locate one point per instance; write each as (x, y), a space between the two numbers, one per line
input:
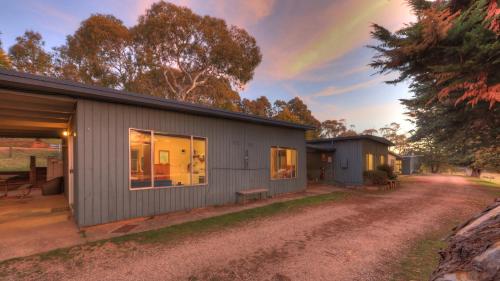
(382, 159)
(283, 163)
(369, 162)
(397, 167)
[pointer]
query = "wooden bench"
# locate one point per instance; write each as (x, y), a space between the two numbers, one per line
(392, 183)
(248, 192)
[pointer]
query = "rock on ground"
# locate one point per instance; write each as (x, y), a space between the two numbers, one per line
(474, 250)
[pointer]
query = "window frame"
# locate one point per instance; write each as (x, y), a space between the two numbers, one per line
(130, 159)
(206, 160)
(296, 164)
(163, 133)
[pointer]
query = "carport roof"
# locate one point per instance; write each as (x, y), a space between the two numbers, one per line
(51, 86)
(29, 115)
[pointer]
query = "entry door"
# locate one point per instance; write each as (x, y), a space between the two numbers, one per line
(71, 179)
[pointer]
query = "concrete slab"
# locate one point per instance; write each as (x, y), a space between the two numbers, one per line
(35, 224)
(42, 223)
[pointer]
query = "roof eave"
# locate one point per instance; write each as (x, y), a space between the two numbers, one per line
(29, 82)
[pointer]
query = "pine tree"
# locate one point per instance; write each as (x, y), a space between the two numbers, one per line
(451, 56)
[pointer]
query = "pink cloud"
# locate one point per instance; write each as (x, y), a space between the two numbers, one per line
(313, 36)
(241, 13)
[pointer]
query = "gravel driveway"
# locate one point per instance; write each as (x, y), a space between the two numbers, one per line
(360, 238)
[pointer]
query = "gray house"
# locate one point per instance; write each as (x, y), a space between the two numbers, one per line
(411, 164)
(128, 155)
(343, 160)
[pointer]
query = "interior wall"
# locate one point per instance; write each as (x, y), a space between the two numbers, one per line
(179, 150)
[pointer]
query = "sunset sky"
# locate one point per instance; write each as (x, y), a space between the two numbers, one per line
(312, 49)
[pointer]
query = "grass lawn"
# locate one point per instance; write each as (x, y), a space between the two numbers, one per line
(423, 256)
(492, 187)
(18, 159)
(172, 233)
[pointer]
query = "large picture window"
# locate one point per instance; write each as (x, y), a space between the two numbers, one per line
(162, 160)
(283, 163)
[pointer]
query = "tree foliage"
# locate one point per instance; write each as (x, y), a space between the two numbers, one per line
(99, 53)
(260, 107)
(171, 52)
(333, 128)
(370, 132)
(4, 58)
(337, 128)
(393, 133)
(28, 54)
(188, 49)
(295, 110)
(451, 56)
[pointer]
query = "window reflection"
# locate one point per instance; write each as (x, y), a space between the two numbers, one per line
(283, 163)
(199, 161)
(140, 159)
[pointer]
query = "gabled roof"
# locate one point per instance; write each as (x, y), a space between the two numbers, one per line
(51, 86)
(358, 137)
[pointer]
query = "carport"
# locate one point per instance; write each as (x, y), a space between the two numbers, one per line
(320, 168)
(33, 222)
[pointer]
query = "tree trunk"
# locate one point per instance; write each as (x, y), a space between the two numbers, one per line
(434, 168)
(476, 173)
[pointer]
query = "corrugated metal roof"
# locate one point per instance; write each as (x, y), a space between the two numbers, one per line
(46, 85)
(358, 137)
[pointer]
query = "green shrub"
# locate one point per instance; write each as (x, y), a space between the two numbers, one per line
(375, 177)
(389, 170)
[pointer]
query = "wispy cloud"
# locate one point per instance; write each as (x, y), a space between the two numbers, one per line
(55, 19)
(312, 37)
(334, 90)
(371, 116)
(241, 13)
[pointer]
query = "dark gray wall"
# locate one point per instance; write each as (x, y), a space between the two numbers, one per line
(349, 151)
(376, 149)
(101, 179)
(411, 164)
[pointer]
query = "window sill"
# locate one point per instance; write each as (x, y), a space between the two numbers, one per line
(168, 187)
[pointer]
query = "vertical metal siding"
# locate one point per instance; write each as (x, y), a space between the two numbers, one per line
(102, 192)
(377, 149)
(352, 152)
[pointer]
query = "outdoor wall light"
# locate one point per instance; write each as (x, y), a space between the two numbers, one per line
(65, 133)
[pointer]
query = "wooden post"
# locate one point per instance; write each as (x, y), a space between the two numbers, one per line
(33, 170)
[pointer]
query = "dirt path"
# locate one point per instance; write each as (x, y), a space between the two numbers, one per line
(357, 239)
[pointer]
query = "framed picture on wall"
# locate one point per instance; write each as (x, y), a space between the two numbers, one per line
(164, 157)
